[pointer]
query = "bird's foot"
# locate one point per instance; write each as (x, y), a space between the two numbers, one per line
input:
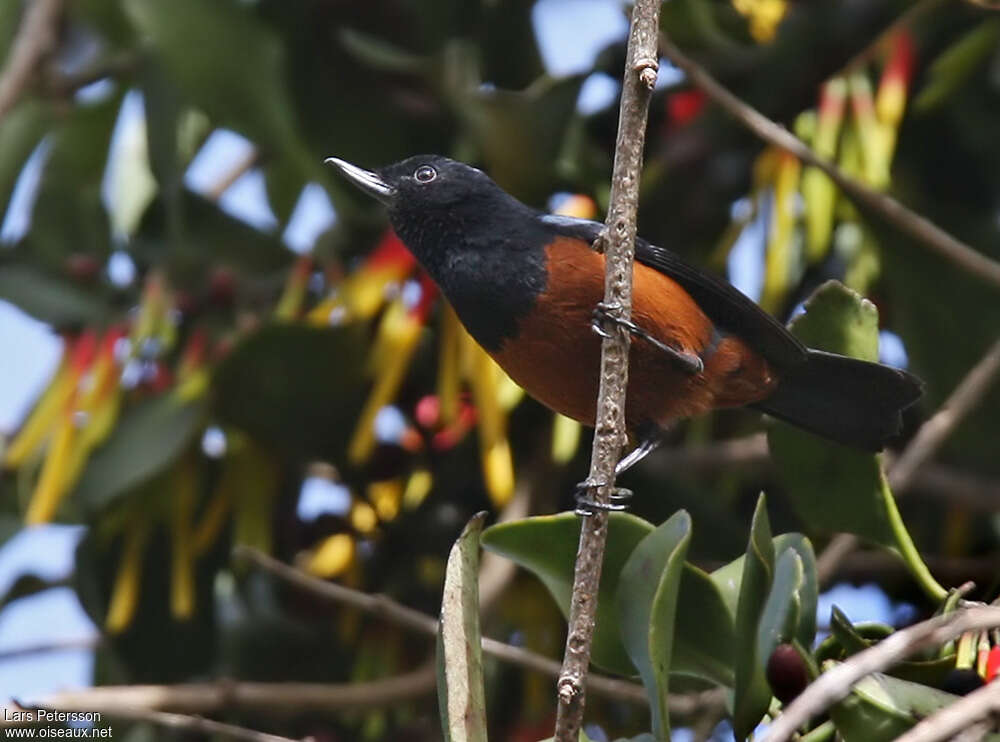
(586, 505)
(602, 317)
(686, 362)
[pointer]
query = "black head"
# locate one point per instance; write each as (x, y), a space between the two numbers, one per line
(421, 182)
(439, 206)
(482, 246)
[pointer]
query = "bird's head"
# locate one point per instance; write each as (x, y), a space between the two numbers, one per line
(423, 182)
(444, 210)
(483, 247)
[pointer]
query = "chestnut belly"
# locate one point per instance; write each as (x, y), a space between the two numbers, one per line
(555, 354)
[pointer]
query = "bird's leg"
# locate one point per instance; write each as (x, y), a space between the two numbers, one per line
(585, 504)
(686, 362)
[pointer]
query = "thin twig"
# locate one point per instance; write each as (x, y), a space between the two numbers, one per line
(960, 715)
(35, 39)
(240, 168)
(907, 221)
(885, 566)
(928, 440)
(387, 608)
(278, 699)
(116, 66)
(836, 683)
(618, 239)
(935, 431)
(828, 561)
(961, 489)
(182, 722)
(66, 645)
(377, 605)
(749, 455)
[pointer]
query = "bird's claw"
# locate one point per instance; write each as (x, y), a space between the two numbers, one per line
(586, 505)
(602, 316)
(687, 362)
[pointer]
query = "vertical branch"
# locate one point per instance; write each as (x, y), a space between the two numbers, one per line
(35, 38)
(618, 238)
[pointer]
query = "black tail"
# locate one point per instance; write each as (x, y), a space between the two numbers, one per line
(846, 400)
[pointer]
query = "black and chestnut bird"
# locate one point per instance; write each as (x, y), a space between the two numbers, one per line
(525, 285)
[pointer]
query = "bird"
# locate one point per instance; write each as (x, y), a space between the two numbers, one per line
(528, 286)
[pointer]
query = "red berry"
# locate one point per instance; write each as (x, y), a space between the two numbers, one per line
(684, 106)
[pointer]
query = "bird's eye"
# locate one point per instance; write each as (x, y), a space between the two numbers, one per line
(424, 174)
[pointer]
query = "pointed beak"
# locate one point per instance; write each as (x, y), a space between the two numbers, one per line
(366, 180)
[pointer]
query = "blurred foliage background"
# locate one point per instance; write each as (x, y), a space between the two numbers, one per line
(322, 404)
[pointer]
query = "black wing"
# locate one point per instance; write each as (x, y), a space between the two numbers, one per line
(727, 307)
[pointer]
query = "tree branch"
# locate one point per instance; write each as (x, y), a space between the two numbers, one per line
(236, 171)
(272, 698)
(935, 432)
(932, 434)
(35, 38)
(749, 456)
(836, 683)
(907, 221)
(66, 645)
(960, 715)
(390, 610)
(177, 721)
(618, 237)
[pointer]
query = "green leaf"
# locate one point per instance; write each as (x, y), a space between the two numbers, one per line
(956, 64)
(306, 385)
(380, 54)
(20, 132)
(841, 628)
(163, 116)
(9, 23)
(846, 639)
(779, 621)
(752, 695)
(855, 494)
(68, 215)
(696, 25)
(647, 604)
(808, 592)
(834, 488)
(546, 546)
(146, 441)
(532, 122)
(704, 639)
(10, 526)
(49, 299)
(210, 238)
(461, 693)
(729, 577)
(230, 65)
(881, 708)
(106, 18)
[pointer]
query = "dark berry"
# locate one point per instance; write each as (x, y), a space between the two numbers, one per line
(82, 267)
(962, 681)
(786, 673)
